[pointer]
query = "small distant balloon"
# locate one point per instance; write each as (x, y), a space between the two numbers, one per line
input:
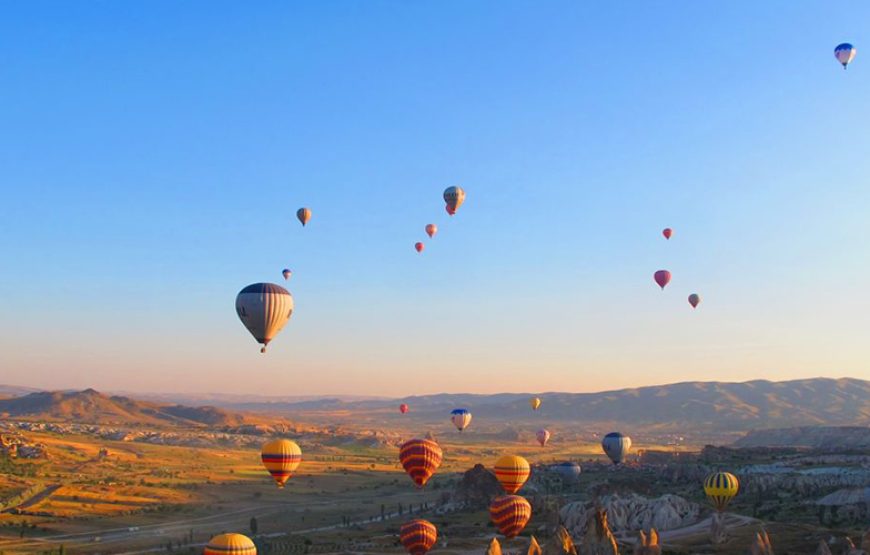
(419, 246)
(303, 214)
(461, 418)
(616, 446)
(286, 273)
(694, 300)
(403, 408)
(535, 403)
(543, 436)
(431, 230)
(662, 278)
(454, 197)
(667, 232)
(845, 53)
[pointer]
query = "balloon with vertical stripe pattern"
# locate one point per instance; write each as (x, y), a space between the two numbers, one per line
(512, 472)
(303, 215)
(510, 514)
(420, 458)
(264, 308)
(720, 488)
(418, 536)
(616, 446)
(230, 544)
(281, 458)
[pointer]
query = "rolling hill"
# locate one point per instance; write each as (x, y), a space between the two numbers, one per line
(91, 407)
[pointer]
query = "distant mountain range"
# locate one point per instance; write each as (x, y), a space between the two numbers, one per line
(92, 407)
(720, 406)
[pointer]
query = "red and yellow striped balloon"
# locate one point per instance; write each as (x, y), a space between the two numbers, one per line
(510, 514)
(281, 458)
(418, 536)
(230, 544)
(512, 472)
(420, 458)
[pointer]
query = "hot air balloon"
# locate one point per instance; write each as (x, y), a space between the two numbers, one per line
(281, 458)
(431, 230)
(264, 309)
(510, 514)
(303, 215)
(616, 446)
(403, 408)
(535, 403)
(418, 536)
(461, 418)
(512, 472)
(667, 232)
(286, 273)
(721, 487)
(230, 544)
(454, 197)
(543, 436)
(419, 246)
(662, 277)
(420, 458)
(694, 300)
(568, 470)
(845, 53)
(451, 211)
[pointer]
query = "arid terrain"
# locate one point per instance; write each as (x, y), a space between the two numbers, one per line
(84, 472)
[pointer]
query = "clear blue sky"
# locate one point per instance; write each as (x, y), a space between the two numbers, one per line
(153, 154)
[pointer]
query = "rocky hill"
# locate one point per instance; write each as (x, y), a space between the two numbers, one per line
(92, 407)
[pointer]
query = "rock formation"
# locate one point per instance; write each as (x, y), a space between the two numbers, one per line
(761, 545)
(478, 488)
(648, 544)
(534, 547)
(598, 539)
(561, 544)
(631, 512)
(718, 532)
(494, 548)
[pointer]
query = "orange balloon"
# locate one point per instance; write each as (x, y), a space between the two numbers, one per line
(431, 230)
(419, 246)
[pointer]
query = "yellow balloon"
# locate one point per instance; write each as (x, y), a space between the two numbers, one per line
(721, 487)
(281, 458)
(535, 403)
(512, 472)
(230, 544)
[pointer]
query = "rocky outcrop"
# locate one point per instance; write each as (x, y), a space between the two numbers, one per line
(628, 513)
(761, 545)
(478, 488)
(718, 532)
(534, 547)
(560, 544)
(598, 538)
(494, 548)
(648, 544)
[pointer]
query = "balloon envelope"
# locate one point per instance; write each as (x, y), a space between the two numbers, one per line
(236, 544)
(303, 215)
(568, 470)
(419, 247)
(461, 418)
(720, 488)
(662, 278)
(286, 273)
(264, 308)
(510, 514)
(543, 436)
(281, 458)
(420, 458)
(512, 472)
(431, 230)
(694, 300)
(403, 408)
(667, 232)
(454, 197)
(418, 536)
(616, 446)
(535, 403)
(845, 53)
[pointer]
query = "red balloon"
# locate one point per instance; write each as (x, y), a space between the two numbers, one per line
(403, 408)
(662, 277)
(418, 536)
(667, 232)
(419, 247)
(450, 211)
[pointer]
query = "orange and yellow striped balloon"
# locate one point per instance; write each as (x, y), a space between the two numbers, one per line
(512, 472)
(230, 544)
(510, 514)
(420, 458)
(418, 536)
(281, 458)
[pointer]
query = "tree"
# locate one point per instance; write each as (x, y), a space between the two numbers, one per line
(253, 525)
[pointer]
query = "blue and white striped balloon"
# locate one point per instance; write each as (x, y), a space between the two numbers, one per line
(845, 53)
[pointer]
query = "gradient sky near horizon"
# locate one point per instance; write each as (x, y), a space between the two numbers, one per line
(153, 154)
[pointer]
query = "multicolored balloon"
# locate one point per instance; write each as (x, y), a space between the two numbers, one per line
(845, 53)
(512, 472)
(420, 458)
(230, 544)
(616, 446)
(510, 514)
(286, 273)
(419, 246)
(454, 197)
(431, 230)
(694, 300)
(720, 488)
(264, 308)
(461, 418)
(543, 436)
(662, 278)
(418, 536)
(535, 403)
(667, 232)
(281, 458)
(403, 408)
(303, 215)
